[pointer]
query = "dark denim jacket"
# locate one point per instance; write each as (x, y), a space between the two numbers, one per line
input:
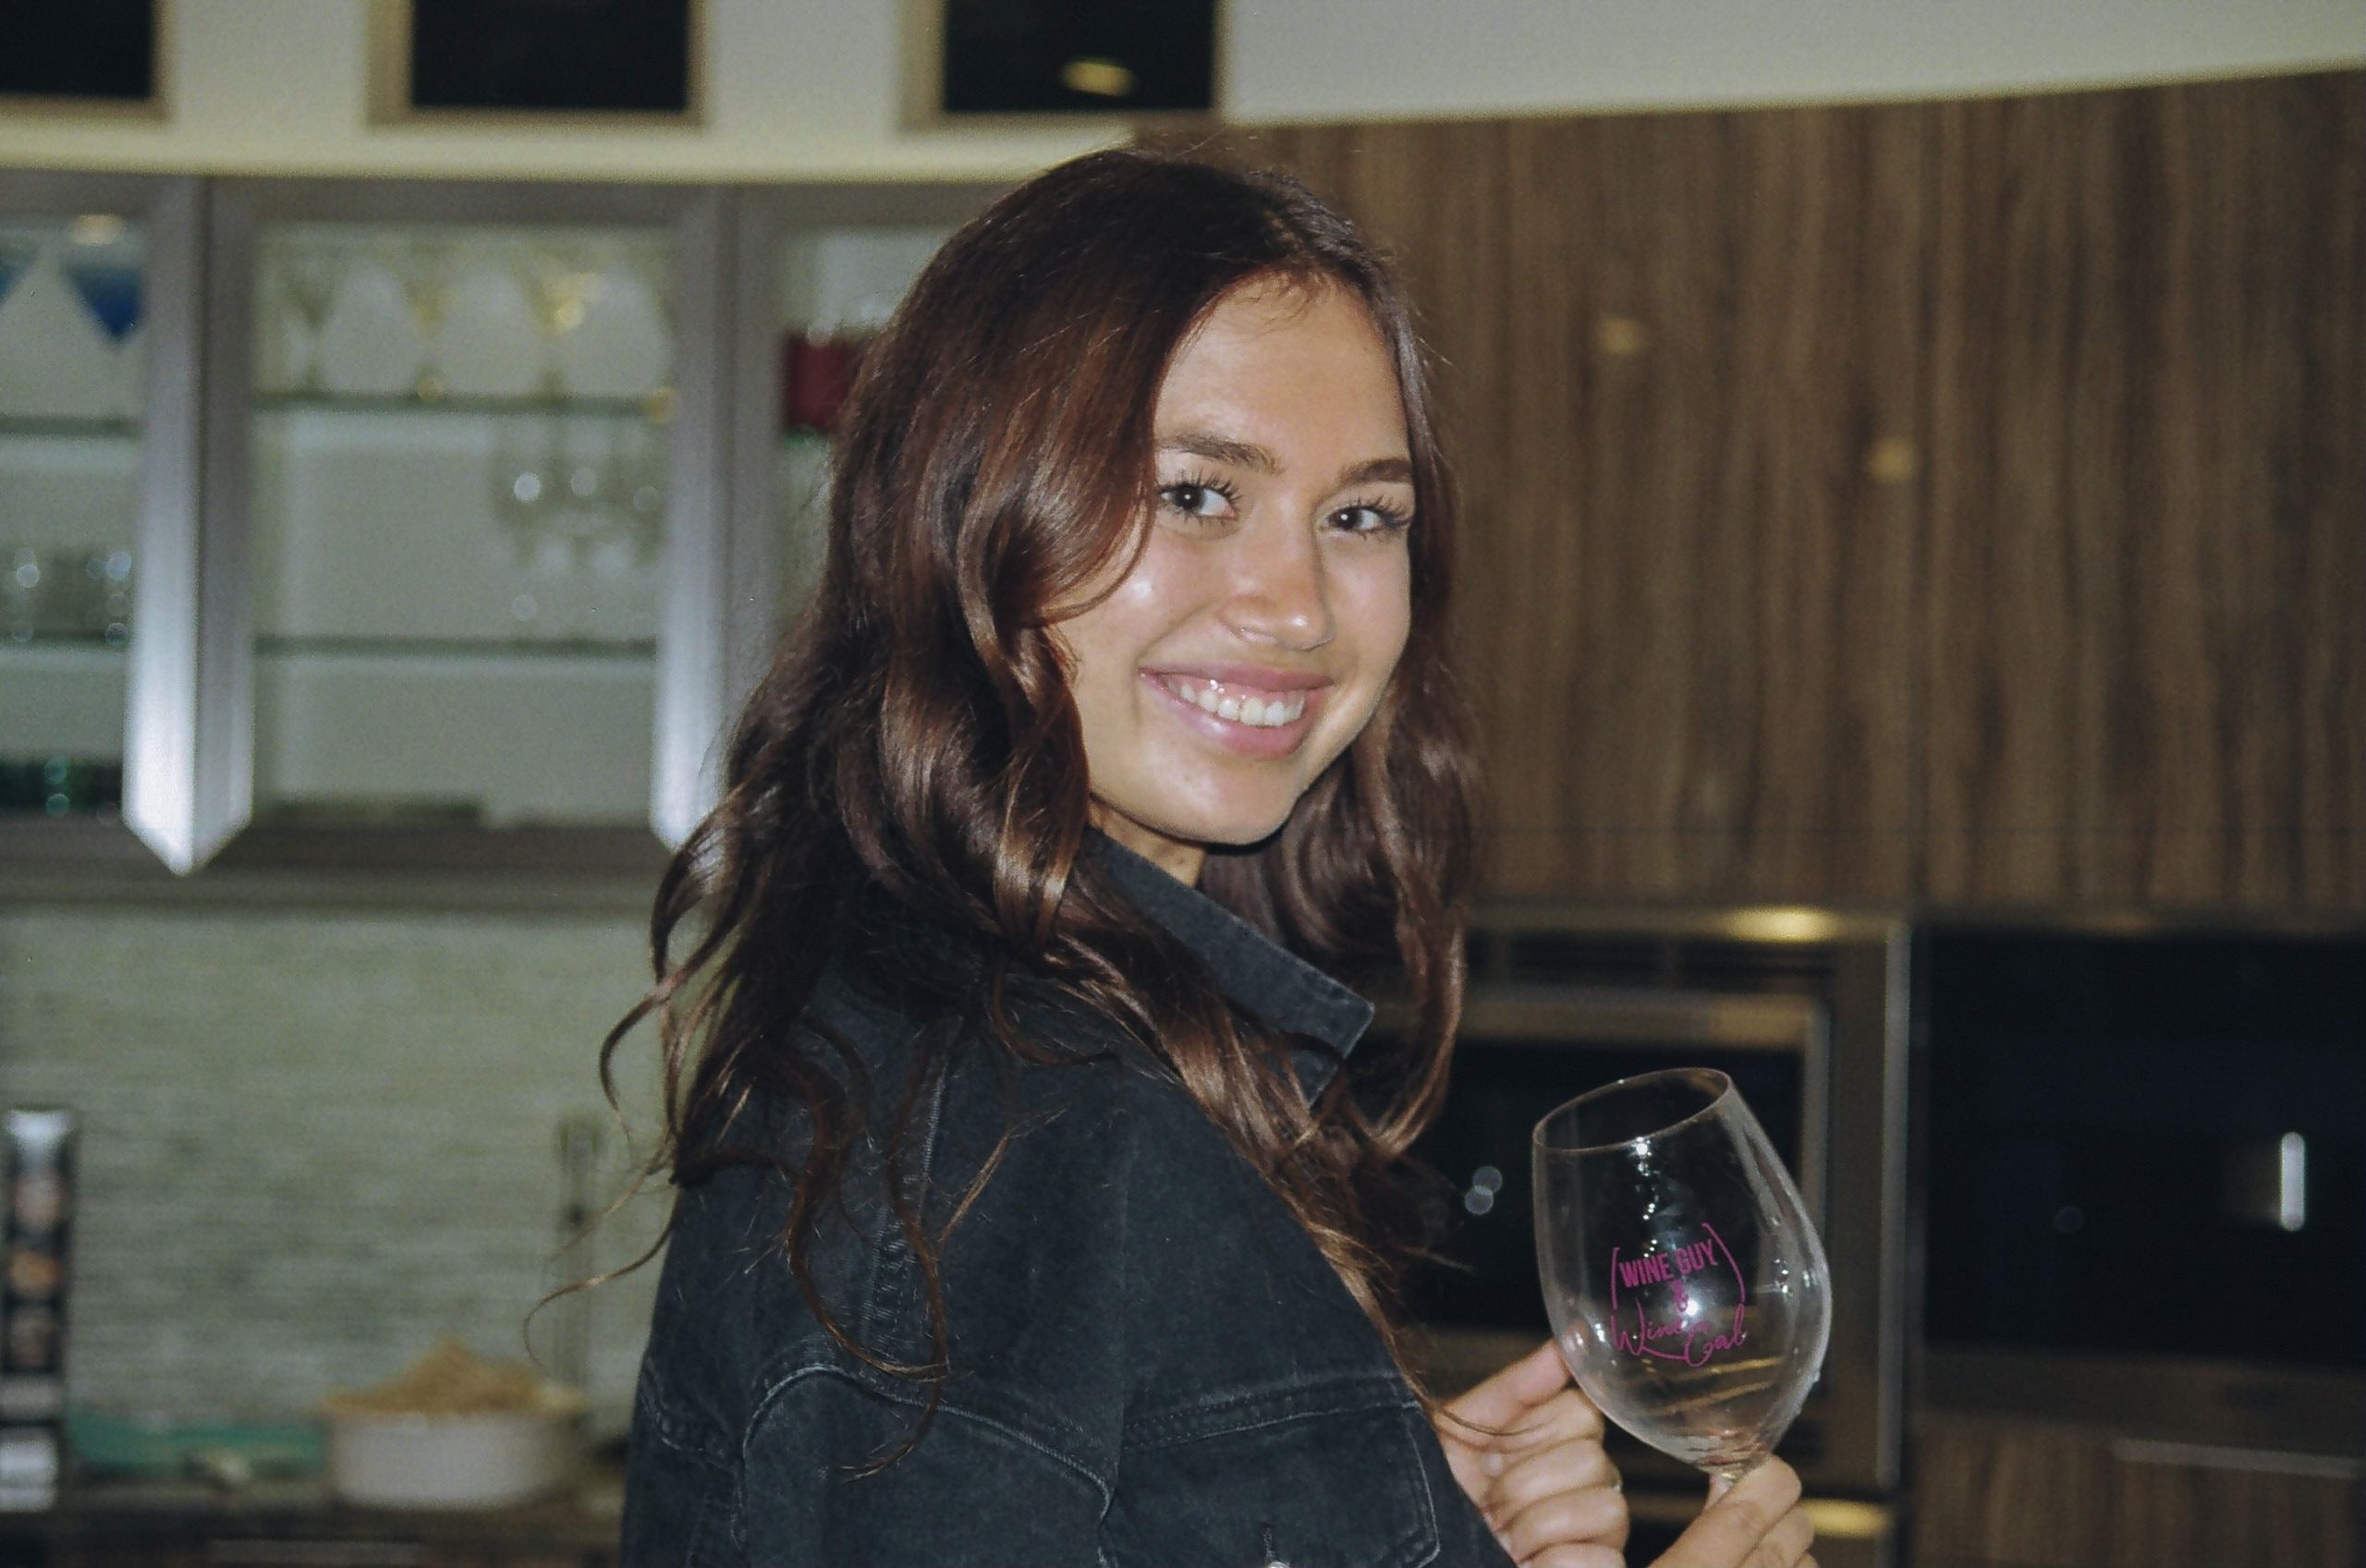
(1151, 1363)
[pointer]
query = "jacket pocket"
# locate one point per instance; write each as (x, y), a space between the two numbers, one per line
(1328, 1476)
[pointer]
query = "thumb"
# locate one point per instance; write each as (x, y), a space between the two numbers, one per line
(1737, 1518)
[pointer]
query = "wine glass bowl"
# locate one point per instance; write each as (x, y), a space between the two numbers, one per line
(1685, 1284)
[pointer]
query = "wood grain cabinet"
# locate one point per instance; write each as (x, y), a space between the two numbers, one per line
(2146, 596)
(2036, 1496)
(1950, 503)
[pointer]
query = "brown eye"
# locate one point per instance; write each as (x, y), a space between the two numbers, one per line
(1197, 500)
(1369, 519)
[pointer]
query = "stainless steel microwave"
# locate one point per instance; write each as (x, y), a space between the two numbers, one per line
(1806, 1010)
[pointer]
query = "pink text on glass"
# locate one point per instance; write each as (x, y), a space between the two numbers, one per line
(1691, 1343)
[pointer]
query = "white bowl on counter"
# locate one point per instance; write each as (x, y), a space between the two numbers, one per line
(494, 1460)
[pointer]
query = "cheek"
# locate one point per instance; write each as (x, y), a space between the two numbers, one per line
(1107, 644)
(1381, 605)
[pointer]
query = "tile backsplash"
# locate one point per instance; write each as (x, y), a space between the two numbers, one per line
(313, 1140)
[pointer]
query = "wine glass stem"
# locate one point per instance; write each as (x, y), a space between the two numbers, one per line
(1722, 1478)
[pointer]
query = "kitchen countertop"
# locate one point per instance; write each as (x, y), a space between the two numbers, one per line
(300, 1525)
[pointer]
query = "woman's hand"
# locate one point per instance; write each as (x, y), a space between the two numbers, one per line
(1753, 1523)
(1539, 1476)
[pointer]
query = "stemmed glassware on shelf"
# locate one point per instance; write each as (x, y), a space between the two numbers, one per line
(107, 281)
(423, 267)
(310, 273)
(522, 484)
(560, 283)
(17, 257)
(1685, 1284)
(636, 486)
(570, 495)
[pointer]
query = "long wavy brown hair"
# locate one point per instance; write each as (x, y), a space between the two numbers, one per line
(915, 747)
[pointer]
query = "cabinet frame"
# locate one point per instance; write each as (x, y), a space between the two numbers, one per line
(160, 753)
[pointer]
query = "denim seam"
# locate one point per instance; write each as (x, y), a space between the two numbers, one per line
(1434, 1532)
(774, 1391)
(674, 1433)
(1350, 1396)
(891, 1259)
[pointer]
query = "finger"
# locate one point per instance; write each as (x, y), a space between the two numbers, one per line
(1558, 1423)
(1502, 1399)
(1576, 1554)
(1565, 1416)
(1737, 1519)
(1782, 1546)
(1572, 1466)
(1596, 1513)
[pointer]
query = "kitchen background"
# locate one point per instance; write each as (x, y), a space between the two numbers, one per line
(315, 1140)
(1899, 359)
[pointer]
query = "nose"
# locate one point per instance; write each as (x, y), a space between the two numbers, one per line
(1280, 592)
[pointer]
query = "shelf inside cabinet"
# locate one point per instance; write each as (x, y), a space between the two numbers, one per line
(657, 407)
(109, 429)
(62, 656)
(401, 650)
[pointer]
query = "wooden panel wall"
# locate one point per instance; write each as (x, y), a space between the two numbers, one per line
(2148, 532)
(1951, 503)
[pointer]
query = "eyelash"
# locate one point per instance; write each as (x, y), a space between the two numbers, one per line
(1393, 519)
(1199, 482)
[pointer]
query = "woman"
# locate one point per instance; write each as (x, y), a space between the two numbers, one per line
(1035, 1207)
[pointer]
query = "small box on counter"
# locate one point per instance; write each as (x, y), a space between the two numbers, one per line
(33, 1304)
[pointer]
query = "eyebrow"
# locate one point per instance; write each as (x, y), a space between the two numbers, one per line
(1259, 460)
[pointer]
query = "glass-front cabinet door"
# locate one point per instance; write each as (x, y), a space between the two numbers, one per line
(97, 277)
(475, 447)
(71, 394)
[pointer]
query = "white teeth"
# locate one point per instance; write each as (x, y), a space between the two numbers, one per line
(1263, 712)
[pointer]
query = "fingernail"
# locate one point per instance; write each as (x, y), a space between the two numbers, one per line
(1505, 1541)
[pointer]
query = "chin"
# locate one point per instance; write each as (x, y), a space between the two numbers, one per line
(1228, 829)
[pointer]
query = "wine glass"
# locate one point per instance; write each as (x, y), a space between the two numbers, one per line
(110, 290)
(17, 257)
(562, 284)
(1687, 1288)
(522, 484)
(423, 267)
(309, 272)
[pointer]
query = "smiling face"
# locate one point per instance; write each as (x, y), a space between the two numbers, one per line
(1258, 626)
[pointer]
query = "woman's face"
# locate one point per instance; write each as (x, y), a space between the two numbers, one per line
(1254, 634)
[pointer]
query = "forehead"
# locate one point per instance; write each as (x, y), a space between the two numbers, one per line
(1278, 354)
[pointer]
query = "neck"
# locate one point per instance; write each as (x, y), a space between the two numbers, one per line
(1177, 858)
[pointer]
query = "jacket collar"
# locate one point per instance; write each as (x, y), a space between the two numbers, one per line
(1255, 974)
